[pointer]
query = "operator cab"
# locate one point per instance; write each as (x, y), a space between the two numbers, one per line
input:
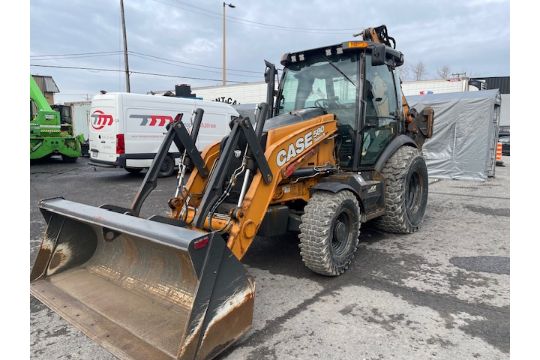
(356, 82)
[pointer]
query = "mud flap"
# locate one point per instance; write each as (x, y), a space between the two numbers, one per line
(141, 288)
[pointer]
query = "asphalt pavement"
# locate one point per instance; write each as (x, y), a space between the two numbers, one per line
(440, 293)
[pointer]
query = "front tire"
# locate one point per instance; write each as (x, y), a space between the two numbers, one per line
(405, 191)
(329, 232)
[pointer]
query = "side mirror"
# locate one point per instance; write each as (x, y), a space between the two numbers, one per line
(269, 72)
(378, 55)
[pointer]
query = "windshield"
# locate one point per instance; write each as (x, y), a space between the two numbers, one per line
(326, 82)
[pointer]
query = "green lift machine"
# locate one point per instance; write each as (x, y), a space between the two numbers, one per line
(48, 135)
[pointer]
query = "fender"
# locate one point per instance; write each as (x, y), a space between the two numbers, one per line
(370, 193)
(399, 141)
(334, 187)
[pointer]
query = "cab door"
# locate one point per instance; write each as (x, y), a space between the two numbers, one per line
(382, 111)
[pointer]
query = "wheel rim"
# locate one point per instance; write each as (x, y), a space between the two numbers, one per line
(341, 233)
(414, 193)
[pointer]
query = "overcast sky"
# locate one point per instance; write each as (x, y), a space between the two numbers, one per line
(471, 36)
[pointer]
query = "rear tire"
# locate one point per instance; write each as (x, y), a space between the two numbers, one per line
(329, 232)
(133, 170)
(405, 191)
(167, 167)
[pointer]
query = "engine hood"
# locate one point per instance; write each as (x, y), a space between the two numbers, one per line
(292, 117)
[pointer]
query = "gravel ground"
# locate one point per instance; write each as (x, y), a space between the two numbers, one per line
(440, 293)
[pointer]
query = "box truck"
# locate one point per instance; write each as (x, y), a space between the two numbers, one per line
(127, 129)
(79, 114)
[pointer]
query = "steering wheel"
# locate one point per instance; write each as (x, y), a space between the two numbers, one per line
(322, 103)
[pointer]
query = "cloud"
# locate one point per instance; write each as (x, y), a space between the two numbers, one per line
(199, 46)
(462, 34)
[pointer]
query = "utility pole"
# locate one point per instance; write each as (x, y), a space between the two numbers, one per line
(128, 87)
(224, 44)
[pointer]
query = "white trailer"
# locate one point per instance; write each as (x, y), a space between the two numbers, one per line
(249, 93)
(80, 117)
(425, 87)
(79, 112)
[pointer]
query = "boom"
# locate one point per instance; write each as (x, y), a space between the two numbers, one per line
(37, 96)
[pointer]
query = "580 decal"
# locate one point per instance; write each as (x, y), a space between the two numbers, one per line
(298, 146)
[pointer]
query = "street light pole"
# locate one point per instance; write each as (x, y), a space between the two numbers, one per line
(225, 44)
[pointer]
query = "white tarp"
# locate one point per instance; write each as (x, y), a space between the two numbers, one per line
(465, 133)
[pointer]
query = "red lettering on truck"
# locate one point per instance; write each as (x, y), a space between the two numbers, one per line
(154, 120)
(100, 119)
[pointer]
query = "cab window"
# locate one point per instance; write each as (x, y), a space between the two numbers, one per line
(381, 122)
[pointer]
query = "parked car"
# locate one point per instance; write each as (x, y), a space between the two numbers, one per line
(127, 129)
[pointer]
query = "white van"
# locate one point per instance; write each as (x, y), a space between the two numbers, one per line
(127, 129)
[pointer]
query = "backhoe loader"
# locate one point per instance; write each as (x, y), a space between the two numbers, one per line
(335, 146)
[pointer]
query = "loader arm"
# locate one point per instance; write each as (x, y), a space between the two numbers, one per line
(285, 146)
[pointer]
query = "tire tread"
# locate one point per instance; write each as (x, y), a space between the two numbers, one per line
(315, 237)
(395, 172)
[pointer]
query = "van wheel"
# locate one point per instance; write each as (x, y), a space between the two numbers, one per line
(133, 170)
(167, 167)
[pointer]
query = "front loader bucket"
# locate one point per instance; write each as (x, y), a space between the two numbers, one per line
(142, 288)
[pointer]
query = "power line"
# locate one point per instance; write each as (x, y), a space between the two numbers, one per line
(256, 23)
(174, 62)
(72, 57)
(75, 67)
(139, 54)
(78, 54)
(270, 25)
(131, 71)
(188, 67)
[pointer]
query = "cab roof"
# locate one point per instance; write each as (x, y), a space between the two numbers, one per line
(393, 57)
